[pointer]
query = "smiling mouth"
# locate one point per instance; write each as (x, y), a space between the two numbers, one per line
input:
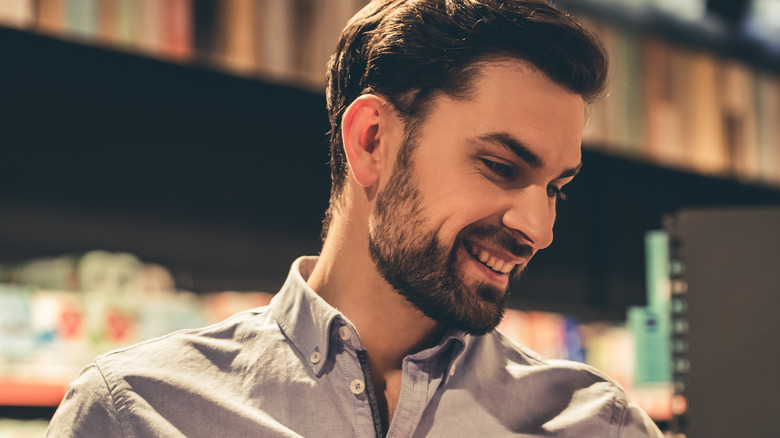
(494, 263)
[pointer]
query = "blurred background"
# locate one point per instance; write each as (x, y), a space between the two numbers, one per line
(162, 162)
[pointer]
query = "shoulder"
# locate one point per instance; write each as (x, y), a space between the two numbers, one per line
(136, 381)
(501, 359)
(87, 410)
(234, 330)
(510, 352)
(566, 377)
(190, 350)
(569, 395)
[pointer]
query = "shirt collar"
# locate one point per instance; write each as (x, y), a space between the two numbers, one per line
(304, 317)
(310, 323)
(453, 343)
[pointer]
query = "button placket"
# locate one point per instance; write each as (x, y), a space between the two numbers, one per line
(412, 399)
(354, 389)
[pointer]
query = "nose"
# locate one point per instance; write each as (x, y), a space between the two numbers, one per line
(532, 214)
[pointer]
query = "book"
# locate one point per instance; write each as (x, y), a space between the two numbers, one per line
(127, 26)
(739, 119)
(624, 102)
(108, 21)
(17, 13)
(633, 67)
(704, 124)
(177, 29)
(663, 131)
(768, 113)
(278, 37)
(651, 324)
(149, 24)
(238, 51)
(81, 18)
(50, 15)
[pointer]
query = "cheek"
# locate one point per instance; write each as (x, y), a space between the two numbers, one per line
(456, 195)
(460, 211)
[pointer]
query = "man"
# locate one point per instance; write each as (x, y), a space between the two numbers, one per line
(455, 126)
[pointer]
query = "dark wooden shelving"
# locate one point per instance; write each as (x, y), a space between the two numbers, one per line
(224, 179)
(221, 178)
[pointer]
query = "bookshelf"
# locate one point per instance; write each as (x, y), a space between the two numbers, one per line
(99, 140)
(282, 41)
(211, 158)
(700, 95)
(694, 85)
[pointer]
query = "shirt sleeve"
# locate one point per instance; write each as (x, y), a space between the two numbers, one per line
(637, 424)
(87, 409)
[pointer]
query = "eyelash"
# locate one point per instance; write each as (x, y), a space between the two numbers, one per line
(502, 170)
(555, 192)
(505, 171)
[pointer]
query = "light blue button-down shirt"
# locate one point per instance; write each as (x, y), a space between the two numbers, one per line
(297, 368)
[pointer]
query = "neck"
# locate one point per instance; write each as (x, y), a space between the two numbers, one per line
(345, 276)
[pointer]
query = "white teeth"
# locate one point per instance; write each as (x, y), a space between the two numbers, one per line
(494, 263)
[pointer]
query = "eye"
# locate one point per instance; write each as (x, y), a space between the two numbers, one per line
(500, 169)
(556, 192)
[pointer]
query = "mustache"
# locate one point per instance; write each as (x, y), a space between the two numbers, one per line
(500, 237)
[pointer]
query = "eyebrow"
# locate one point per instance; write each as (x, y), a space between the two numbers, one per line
(508, 141)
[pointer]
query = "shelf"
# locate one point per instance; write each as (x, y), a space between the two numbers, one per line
(81, 122)
(225, 179)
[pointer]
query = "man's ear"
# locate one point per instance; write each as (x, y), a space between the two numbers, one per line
(365, 122)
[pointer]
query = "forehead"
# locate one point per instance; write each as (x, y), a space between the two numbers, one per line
(514, 98)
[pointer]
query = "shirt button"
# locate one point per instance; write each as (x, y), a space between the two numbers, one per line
(357, 386)
(315, 357)
(344, 333)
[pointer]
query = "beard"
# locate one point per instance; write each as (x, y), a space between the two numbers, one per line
(423, 270)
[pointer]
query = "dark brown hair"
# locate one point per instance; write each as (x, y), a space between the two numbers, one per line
(408, 50)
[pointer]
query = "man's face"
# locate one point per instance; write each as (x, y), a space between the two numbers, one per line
(476, 198)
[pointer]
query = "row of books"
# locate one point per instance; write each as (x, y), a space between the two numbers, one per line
(671, 105)
(687, 109)
(284, 40)
(57, 314)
